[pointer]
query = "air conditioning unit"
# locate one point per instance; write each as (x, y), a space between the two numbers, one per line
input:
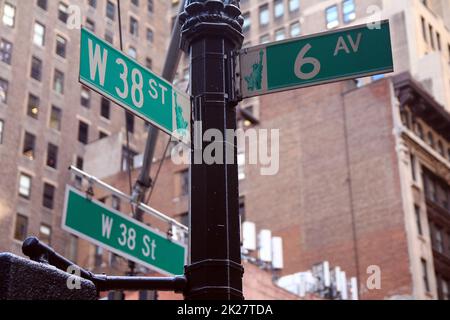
(277, 253)
(249, 235)
(265, 245)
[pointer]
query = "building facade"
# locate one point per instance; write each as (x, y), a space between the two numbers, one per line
(47, 118)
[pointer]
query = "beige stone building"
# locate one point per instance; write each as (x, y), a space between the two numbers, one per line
(47, 118)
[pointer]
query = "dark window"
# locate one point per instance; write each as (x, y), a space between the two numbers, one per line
(55, 118)
(4, 91)
(52, 156)
(42, 4)
(79, 164)
(33, 106)
(5, 51)
(413, 167)
(149, 35)
(110, 10)
(61, 44)
(440, 147)
(58, 82)
(184, 183)
(63, 12)
(48, 196)
(150, 6)
(36, 68)
(135, 2)
(424, 28)
(418, 220)
(105, 110)
(148, 63)
(134, 27)
(127, 158)
(242, 208)
(2, 128)
(93, 3)
(426, 282)
(83, 132)
(130, 122)
(29, 145)
(21, 229)
(430, 28)
(90, 25)
(102, 135)
(115, 202)
(85, 99)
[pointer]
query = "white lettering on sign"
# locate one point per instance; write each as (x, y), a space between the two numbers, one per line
(147, 251)
(128, 237)
(107, 223)
(301, 61)
(97, 62)
(342, 45)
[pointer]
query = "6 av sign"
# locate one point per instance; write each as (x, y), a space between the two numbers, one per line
(132, 86)
(317, 59)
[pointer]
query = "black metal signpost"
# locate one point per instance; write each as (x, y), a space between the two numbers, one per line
(211, 32)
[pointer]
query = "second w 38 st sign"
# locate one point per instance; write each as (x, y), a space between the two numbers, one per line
(122, 80)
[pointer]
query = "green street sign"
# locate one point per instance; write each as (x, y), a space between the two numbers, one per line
(122, 80)
(118, 233)
(348, 53)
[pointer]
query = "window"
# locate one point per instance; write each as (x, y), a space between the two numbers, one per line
(184, 183)
(61, 44)
(247, 22)
(348, 8)
(440, 147)
(105, 108)
(264, 39)
(3, 90)
(21, 228)
(412, 159)
(9, 15)
(127, 158)
(295, 29)
(29, 146)
(431, 139)
(150, 6)
(102, 134)
(134, 27)
(39, 34)
(110, 10)
(83, 132)
(438, 41)
(419, 130)
(426, 283)
(79, 164)
(5, 51)
(85, 99)
(58, 82)
(130, 122)
(135, 2)
(109, 37)
(294, 5)
(45, 233)
(25, 185)
(52, 156)
(63, 12)
(278, 9)
(55, 118)
(115, 202)
(264, 15)
(36, 68)
(90, 25)
(332, 17)
(2, 126)
(42, 4)
(149, 35)
(439, 241)
(424, 28)
(430, 28)
(93, 3)
(418, 220)
(279, 34)
(33, 106)
(148, 63)
(242, 208)
(48, 196)
(132, 52)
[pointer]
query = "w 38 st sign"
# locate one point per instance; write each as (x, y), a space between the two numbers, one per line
(317, 59)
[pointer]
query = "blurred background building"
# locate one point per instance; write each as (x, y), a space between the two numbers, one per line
(364, 175)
